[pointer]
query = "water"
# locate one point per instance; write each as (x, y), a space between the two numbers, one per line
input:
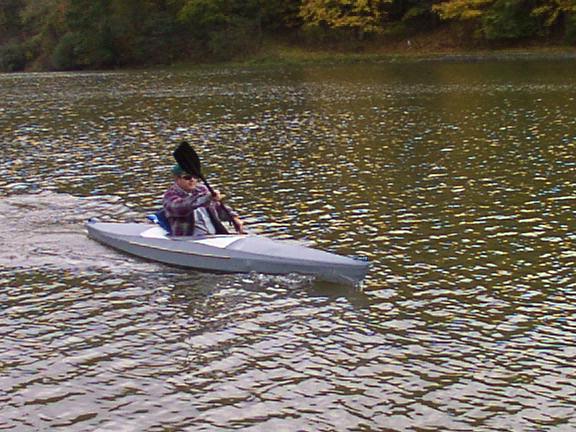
(456, 180)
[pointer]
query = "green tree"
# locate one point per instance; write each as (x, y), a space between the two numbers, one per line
(43, 23)
(411, 16)
(508, 19)
(12, 51)
(280, 15)
(146, 31)
(10, 21)
(225, 28)
(89, 34)
(12, 57)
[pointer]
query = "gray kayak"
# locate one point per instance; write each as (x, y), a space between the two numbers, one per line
(227, 253)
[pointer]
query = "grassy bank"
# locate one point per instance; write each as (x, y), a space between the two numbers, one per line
(426, 48)
(417, 49)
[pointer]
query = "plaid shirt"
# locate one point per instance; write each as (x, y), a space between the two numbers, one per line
(180, 205)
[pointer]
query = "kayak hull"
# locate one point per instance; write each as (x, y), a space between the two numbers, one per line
(227, 253)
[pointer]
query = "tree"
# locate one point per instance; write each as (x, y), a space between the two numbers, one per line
(552, 10)
(10, 22)
(88, 41)
(411, 16)
(362, 16)
(226, 28)
(493, 19)
(508, 19)
(462, 9)
(280, 14)
(146, 31)
(43, 23)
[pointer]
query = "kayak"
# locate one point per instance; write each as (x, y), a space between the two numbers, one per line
(227, 253)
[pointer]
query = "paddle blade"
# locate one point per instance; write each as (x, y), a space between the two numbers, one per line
(188, 159)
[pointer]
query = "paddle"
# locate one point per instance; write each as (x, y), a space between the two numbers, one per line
(188, 159)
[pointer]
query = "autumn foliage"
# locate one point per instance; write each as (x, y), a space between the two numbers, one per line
(80, 34)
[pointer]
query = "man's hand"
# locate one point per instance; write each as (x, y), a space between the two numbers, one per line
(216, 196)
(239, 225)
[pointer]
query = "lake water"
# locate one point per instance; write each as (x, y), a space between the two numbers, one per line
(456, 180)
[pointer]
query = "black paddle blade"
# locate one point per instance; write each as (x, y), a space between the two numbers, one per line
(188, 159)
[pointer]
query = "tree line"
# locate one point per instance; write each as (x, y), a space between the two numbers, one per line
(81, 34)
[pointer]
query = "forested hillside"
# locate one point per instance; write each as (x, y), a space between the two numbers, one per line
(82, 34)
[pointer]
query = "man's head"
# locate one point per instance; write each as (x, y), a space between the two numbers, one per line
(183, 179)
(177, 170)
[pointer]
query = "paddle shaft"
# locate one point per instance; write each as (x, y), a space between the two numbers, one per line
(230, 217)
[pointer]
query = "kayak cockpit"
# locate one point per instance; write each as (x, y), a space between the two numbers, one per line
(219, 241)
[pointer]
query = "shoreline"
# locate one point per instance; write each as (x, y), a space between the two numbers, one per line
(297, 56)
(302, 57)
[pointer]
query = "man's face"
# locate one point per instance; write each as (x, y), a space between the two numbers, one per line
(187, 182)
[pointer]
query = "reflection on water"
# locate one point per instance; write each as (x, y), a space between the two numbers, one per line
(455, 180)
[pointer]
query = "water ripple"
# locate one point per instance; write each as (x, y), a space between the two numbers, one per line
(455, 180)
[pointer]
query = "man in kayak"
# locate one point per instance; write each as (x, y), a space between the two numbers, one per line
(192, 210)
